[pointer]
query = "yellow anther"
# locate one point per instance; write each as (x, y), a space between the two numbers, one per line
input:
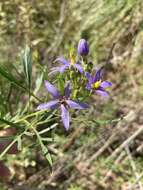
(96, 84)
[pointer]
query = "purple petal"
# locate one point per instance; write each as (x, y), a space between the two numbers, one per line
(88, 76)
(106, 84)
(67, 90)
(98, 75)
(51, 89)
(76, 105)
(62, 60)
(83, 47)
(102, 93)
(63, 68)
(51, 104)
(65, 116)
(60, 69)
(78, 67)
(88, 86)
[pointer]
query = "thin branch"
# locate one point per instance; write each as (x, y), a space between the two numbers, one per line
(126, 142)
(133, 166)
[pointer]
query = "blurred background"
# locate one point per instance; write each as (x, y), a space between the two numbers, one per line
(104, 149)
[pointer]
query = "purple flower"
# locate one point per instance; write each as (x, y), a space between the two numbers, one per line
(67, 65)
(83, 47)
(62, 101)
(96, 84)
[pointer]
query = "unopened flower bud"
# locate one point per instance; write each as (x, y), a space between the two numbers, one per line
(83, 47)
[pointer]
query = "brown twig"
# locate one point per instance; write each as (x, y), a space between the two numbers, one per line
(133, 166)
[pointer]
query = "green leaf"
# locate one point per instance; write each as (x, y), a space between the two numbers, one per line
(9, 77)
(8, 122)
(44, 148)
(19, 143)
(46, 153)
(26, 59)
(39, 82)
(48, 129)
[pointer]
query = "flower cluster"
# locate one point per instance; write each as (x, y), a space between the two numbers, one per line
(77, 81)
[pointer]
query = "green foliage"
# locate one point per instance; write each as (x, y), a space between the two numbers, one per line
(75, 187)
(50, 27)
(26, 59)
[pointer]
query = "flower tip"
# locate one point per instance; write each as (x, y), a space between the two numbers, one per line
(83, 47)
